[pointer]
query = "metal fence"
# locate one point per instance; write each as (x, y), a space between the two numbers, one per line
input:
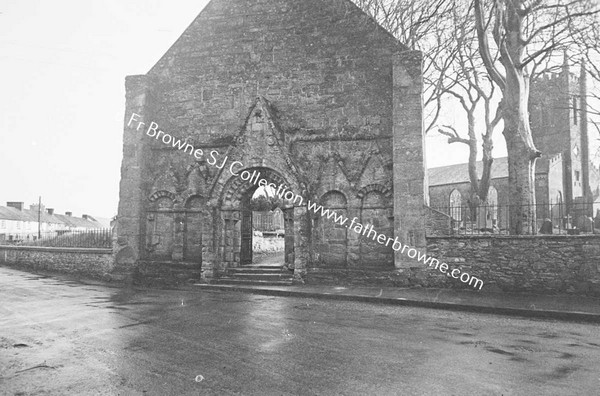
(267, 221)
(93, 238)
(495, 219)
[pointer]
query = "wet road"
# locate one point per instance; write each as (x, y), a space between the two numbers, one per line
(59, 337)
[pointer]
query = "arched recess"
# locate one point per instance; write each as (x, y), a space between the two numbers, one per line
(235, 228)
(193, 229)
(558, 208)
(376, 211)
(160, 226)
(331, 237)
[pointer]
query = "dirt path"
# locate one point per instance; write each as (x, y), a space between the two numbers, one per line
(274, 259)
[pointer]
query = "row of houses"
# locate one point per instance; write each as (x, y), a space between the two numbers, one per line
(17, 222)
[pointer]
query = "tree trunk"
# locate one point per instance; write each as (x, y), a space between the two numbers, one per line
(486, 174)
(473, 177)
(473, 196)
(472, 155)
(521, 169)
(522, 154)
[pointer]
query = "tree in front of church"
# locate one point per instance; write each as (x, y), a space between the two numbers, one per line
(468, 84)
(487, 57)
(516, 38)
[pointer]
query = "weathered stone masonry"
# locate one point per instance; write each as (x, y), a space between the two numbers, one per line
(313, 94)
(532, 264)
(80, 261)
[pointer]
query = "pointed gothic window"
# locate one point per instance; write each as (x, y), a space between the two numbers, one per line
(492, 203)
(455, 205)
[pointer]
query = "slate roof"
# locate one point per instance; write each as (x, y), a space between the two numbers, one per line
(104, 221)
(8, 213)
(459, 173)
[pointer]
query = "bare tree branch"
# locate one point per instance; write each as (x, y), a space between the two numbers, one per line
(484, 46)
(453, 136)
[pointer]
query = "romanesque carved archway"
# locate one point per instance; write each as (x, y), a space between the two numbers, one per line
(235, 232)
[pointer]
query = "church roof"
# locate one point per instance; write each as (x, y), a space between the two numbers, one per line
(459, 173)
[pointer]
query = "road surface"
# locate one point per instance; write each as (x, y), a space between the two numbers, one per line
(60, 337)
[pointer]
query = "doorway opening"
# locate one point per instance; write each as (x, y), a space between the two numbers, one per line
(266, 229)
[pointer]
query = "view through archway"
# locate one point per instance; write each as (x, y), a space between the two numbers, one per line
(263, 229)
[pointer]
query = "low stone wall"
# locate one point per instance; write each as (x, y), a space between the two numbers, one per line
(534, 264)
(80, 261)
(438, 223)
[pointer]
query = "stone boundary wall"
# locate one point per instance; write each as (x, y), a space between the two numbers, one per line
(533, 264)
(267, 245)
(437, 223)
(80, 261)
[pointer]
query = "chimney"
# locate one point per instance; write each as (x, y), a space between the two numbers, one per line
(69, 213)
(16, 205)
(50, 211)
(85, 217)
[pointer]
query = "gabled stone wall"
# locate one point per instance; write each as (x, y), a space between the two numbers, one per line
(311, 94)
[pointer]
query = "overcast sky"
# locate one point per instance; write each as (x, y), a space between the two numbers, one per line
(62, 103)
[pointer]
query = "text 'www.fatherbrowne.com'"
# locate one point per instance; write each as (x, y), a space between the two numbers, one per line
(237, 169)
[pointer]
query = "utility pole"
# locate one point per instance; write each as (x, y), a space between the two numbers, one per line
(40, 218)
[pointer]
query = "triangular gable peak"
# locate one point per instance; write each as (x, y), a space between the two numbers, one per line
(221, 16)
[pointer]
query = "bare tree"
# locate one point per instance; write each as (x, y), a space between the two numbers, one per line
(470, 85)
(494, 49)
(515, 37)
(422, 25)
(444, 30)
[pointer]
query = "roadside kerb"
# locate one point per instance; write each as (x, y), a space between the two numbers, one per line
(522, 312)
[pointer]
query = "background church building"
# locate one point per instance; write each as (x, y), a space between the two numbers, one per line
(566, 181)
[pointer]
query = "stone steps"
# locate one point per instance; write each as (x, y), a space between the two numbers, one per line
(257, 276)
(167, 273)
(260, 276)
(270, 270)
(235, 281)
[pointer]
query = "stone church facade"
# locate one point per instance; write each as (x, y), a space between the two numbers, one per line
(311, 94)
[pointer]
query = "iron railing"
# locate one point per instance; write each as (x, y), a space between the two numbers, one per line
(495, 219)
(92, 238)
(267, 221)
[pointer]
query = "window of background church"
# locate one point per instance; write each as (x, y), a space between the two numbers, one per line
(492, 203)
(575, 110)
(455, 205)
(576, 176)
